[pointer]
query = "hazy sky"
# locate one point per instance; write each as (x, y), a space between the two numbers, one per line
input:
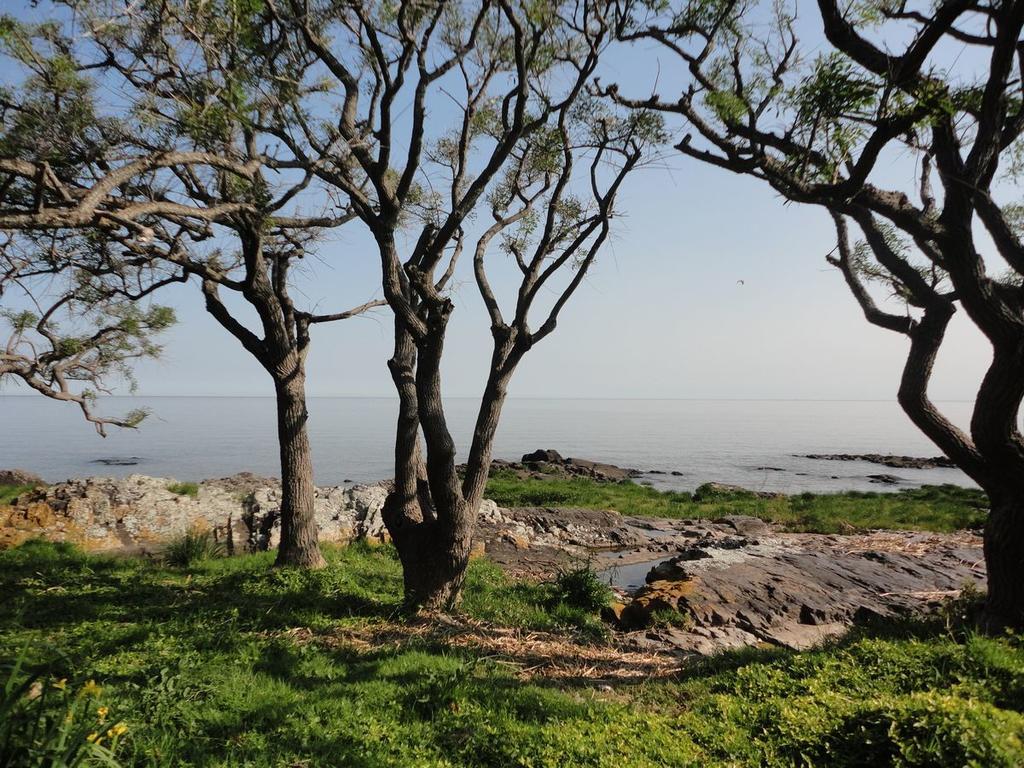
(662, 314)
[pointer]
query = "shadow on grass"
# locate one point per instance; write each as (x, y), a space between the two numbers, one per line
(51, 587)
(232, 662)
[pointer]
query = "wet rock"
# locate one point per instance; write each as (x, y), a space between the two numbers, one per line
(675, 570)
(119, 461)
(888, 460)
(885, 479)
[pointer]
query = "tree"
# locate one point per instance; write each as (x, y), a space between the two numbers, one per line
(174, 173)
(462, 127)
(825, 130)
(77, 329)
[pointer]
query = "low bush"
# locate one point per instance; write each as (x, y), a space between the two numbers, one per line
(193, 546)
(580, 587)
(184, 489)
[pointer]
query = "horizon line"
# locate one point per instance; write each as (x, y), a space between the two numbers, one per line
(532, 397)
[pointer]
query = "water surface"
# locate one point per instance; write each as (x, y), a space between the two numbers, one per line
(750, 443)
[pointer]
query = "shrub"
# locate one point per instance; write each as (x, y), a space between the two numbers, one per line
(193, 546)
(925, 729)
(581, 588)
(184, 489)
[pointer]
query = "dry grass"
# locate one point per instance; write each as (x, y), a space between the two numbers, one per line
(531, 653)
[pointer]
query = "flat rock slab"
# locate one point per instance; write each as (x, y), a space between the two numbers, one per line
(796, 590)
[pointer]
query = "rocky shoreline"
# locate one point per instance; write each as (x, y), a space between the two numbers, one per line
(693, 585)
(886, 460)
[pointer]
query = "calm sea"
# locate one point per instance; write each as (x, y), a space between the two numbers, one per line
(748, 443)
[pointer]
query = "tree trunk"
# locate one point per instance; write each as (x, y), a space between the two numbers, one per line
(1004, 560)
(429, 521)
(434, 556)
(994, 427)
(299, 537)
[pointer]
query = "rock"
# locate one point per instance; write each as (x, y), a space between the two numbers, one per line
(657, 596)
(19, 477)
(674, 570)
(543, 455)
(548, 463)
(745, 524)
(885, 479)
(706, 641)
(888, 460)
(710, 491)
(118, 461)
(598, 470)
(798, 590)
(139, 513)
(477, 549)
(517, 540)
(613, 613)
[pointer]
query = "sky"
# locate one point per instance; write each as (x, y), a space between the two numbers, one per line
(711, 287)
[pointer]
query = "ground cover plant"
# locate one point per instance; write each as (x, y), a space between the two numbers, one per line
(931, 508)
(227, 662)
(9, 493)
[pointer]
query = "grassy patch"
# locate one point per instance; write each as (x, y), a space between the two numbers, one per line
(184, 489)
(932, 508)
(9, 493)
(205, 667)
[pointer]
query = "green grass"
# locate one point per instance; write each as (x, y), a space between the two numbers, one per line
(184, 489)
(931, 508)
(9, 493)
(233, 663)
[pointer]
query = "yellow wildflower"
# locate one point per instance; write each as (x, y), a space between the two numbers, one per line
(102, 712)
(118, 730)
(93, 738)
(91, 689)
(61, 684)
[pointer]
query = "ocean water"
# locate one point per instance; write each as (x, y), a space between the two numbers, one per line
(755, 444)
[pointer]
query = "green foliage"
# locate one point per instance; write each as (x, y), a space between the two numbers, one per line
(235, 663)
(934, 508)
(835, 89)
(581, 587)
(21, 321)
(443, 688)
(184, 489)
(45, 721)
(192, 547)
(9, 493)
(664, 618)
